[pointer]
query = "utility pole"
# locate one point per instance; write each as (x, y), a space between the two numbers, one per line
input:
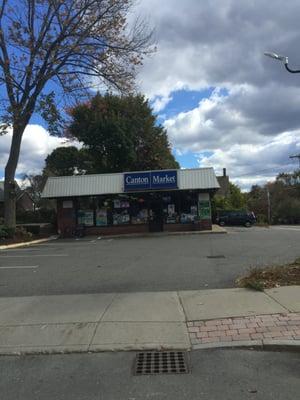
(296, 156)
(269, 206)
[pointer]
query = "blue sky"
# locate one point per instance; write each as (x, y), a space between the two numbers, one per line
(223, 103)
(183, 101)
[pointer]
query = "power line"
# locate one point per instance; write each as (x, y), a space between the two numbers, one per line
(296, 156)
(256, 172)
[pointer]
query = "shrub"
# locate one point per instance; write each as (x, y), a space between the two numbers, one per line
(34, 229)
(261, 219)
(41, 215)
(6, 233)
(11, 233)
(22, 234)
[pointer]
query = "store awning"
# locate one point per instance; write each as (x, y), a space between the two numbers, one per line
(99, 184)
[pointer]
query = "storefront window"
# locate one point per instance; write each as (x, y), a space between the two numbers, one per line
(189, 209)
(139, 210)
(120, 210)
(103, 212)
(124, 209)
(85, 213)
(170, 208)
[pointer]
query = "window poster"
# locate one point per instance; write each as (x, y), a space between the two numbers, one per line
(171, 209)
(117, 203)
(101, 217)
(204, 210)
(86, 217)
(194, 210)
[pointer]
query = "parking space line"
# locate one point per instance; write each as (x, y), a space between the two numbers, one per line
(34, 255)
(20, 267)
(286, 228)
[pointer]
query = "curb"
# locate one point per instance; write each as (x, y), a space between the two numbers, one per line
(24, 244)
(86, 349)
(164, 234)
(262, 345)
(265, 344)
(151, 235)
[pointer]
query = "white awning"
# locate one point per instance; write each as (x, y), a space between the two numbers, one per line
(91, 185)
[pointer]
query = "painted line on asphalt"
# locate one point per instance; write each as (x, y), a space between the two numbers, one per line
(14, 250)
(36, 255)
(21, 267)
(286, 229)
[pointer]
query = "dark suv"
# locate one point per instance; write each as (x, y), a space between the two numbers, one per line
(236, 218)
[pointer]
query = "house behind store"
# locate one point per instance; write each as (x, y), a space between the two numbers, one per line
(24, 200)
(223, 181)
(132, 202)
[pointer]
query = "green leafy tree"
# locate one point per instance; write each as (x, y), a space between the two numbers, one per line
(237, 199)
(257, 202)
(120, 134)
(75, 43)
(284, 199)
(64, 161)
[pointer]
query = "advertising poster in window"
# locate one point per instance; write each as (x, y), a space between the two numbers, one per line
(86, 217)
(101, 217)
(204, 210)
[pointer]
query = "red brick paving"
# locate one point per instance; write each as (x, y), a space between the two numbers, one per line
(273, 326)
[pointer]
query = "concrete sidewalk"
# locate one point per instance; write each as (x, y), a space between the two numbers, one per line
(153, 320)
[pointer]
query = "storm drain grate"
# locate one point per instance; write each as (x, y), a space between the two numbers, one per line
(167, 362)
(220, 256)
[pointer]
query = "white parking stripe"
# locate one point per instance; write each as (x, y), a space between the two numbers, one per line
(286, 228)
(36, 255)
(21, 267)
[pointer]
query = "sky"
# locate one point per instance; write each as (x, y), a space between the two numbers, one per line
(223, 103)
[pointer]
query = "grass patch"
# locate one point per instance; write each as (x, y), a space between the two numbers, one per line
(270, 277)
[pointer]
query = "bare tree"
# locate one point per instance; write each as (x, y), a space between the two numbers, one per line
(75, 43)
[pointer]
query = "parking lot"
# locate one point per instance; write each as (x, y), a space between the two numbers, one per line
(158, 263)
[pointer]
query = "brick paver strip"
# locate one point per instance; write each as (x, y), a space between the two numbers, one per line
(272, 326)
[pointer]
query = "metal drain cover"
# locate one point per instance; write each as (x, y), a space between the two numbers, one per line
(220, 256)
(166, 362)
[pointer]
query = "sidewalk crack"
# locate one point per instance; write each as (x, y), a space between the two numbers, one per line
(101, 318)
(276, 301)
(185, 318)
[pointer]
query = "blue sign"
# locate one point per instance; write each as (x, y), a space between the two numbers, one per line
(164, 180)
(137, 181)
(150, 180)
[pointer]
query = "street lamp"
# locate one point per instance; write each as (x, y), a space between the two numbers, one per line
(283, 59)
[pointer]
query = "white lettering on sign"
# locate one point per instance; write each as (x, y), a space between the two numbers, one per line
(159, 180)
(137, 180)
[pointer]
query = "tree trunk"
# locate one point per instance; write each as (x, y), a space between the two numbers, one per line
(9, 183)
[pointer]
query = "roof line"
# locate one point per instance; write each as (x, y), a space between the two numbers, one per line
(127, 172)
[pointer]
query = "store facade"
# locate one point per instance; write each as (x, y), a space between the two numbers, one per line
(134, 202)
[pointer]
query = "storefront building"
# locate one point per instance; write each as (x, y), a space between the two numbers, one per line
(133, 202)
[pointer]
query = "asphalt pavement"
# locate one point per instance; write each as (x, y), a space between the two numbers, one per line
(159, 263)
(215, 374)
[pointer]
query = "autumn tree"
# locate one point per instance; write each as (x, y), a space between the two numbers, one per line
(118, 133)
(77, 44)
(284, 195)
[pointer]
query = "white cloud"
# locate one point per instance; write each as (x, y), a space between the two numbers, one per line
(255, 164)
(160, 103)
(218, 43)
(244, 130)
(36, 145)
(221, 44)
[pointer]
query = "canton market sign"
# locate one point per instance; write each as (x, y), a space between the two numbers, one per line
(150, 180)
